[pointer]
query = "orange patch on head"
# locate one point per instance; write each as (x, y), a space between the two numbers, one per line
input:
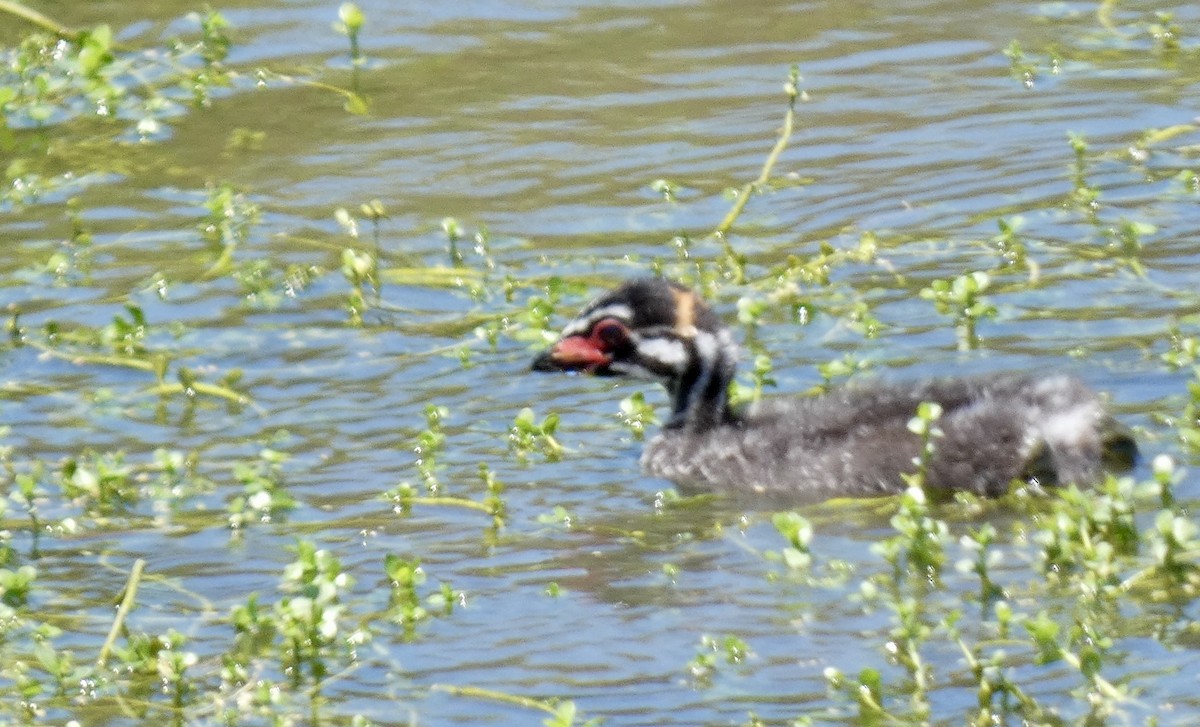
(685, 312)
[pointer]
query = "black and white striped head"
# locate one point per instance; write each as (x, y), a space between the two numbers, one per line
(656, 330)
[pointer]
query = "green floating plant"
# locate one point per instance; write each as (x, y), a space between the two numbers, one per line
(924, 425)
(711, 652)
(231, 217)
(162, 660)
(123, 343)
(360, 269)
(665, 187)
(350, 23)
(103, 482)
(637, 414)
(979, 541)
(16, 585)
(1019, 66)
(563, 713)
(559, 516)
(1088, 541)
(264, 496)
(406, 607)
(528, 435)
(838, 368)
(1013, 249)
(50, 78)
(306, 630)
(404, 496)
(963, 299)
(798, 532)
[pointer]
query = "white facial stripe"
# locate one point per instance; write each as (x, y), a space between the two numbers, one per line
(667, 351)
(707, 346)
(726, 344)
(620, 311)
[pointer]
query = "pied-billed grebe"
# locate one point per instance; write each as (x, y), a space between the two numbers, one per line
(853, 442)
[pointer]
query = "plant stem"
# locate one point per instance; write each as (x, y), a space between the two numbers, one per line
(785, 135)
(495, 696)
(131, 586)
(451, 502)
(34, 17)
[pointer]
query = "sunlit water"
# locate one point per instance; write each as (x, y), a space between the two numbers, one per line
(546, 123)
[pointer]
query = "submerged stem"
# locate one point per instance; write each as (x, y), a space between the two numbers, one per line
(35, 18)
(131, 587)
(785, 135)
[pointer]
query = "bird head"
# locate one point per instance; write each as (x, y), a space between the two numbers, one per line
(650, 329)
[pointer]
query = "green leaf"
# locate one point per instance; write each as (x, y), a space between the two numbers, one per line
(356, 104)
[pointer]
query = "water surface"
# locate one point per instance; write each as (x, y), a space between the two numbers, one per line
(546, 124)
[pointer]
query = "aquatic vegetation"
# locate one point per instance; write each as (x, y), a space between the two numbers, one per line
(711, 654)
(963, 299)
(406, 577)
(231, 217)
(161, 338)
(404, 496)
(528, 435)
(350, 22)
(636, 414)
(264, 496)
(1094, 554)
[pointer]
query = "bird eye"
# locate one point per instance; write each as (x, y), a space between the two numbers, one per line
(611, 332)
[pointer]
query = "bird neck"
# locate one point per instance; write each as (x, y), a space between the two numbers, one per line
(700, 395)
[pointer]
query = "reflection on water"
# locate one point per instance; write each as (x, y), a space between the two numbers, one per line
(547, 123)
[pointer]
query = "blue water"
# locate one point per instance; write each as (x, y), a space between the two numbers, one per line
(545, 123)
